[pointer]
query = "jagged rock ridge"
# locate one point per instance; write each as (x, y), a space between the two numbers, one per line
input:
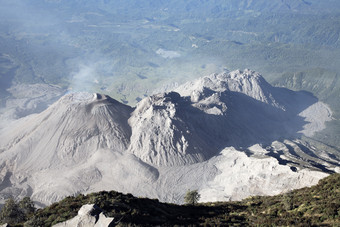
(88, 215)
(200, 119)
(90, 142)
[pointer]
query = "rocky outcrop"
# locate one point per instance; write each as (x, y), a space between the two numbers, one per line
(89, 215)
(204, 116)
(246, 82)
(162, 132)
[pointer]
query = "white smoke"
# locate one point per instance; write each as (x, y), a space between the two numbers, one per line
(90, 74)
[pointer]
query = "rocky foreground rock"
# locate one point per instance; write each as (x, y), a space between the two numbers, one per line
(89, 215)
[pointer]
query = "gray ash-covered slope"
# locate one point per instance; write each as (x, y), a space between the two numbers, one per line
(48, 155)
(75, 145)
(170, 142)
(68, 131)
(188, 126)
(229, 109)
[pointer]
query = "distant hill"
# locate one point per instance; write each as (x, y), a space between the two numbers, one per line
(325, 84)
(209, 7)
(317, 205)
(111, 46)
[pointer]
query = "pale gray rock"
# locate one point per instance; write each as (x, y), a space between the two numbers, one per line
(316, 115)
(162, 134)
(89, 215)
(46, 155)
(202, 117)
(240, 176)
(246, 82)
(70, 129)
(169, 143)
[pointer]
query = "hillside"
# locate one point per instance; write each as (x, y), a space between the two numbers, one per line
(317, 205)
(225, 134)
(325, 84)
(202, 117)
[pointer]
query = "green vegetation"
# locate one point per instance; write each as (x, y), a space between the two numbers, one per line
(13, 213)
(192, 197)
(317, 205)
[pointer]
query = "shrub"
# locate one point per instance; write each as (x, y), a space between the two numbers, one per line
(192, 197)
(11, 213)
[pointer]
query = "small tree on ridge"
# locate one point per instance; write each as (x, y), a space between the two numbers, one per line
(192, 197)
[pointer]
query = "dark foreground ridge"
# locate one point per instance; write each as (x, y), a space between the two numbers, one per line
(317, 205)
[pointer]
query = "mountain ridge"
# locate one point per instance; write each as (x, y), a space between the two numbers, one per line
(164, 138)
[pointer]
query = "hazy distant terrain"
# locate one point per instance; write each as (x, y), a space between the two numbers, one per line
(135, 50)
(114, 47)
